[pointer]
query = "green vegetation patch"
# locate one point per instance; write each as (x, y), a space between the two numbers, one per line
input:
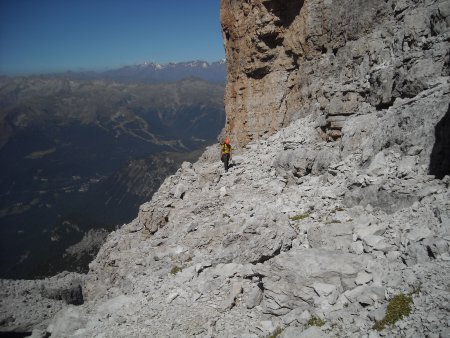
(315, 321)
(175, 270)
(298, 217)
(399, 306)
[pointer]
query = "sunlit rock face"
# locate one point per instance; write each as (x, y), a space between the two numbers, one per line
(288, 59)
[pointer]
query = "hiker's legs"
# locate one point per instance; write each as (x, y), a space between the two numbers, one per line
(227, 159)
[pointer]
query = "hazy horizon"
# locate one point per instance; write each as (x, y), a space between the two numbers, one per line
(100, 70)
(51, 36)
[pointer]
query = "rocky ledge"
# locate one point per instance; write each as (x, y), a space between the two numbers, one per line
(29, 305)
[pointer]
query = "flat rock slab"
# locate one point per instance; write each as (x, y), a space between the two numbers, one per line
(291, 279)
(296, 332)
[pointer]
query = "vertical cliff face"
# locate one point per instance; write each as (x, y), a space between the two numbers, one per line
(290, 58)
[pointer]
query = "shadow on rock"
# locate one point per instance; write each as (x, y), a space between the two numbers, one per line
(440, 156)
(286, 11)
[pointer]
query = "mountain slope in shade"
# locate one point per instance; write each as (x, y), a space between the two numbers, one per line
(64, 145)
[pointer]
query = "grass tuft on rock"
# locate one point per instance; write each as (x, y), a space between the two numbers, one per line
(315, 321)
(175, 269)
(298, 217)
(399, 306)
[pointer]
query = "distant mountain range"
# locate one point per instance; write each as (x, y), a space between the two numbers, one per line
(81, 151)
(151, 72)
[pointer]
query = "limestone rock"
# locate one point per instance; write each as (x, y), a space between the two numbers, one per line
(236, 289)
(376, 242)
(66, 322)
(299, 315)
(311, 268)
(296, 332)
(254, 298)
(31, 304)
(334, 236)
(366, 294)
(152, 217)
(179, 190)
(363, 278)
(357, 247)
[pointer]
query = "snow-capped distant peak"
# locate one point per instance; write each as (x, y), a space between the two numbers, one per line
(153, 72)
(189, 64)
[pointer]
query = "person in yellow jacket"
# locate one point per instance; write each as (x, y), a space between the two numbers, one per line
(225, 153)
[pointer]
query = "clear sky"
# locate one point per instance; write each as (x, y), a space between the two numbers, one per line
(39, 36)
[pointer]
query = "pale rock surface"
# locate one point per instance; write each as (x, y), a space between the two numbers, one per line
(312, 332)
(31, 304)
(363, 278)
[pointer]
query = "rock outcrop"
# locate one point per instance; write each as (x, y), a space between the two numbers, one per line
(288, 59)
(29, 305)
(317, 229)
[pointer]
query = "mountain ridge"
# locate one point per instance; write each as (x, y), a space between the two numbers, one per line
(148, 72)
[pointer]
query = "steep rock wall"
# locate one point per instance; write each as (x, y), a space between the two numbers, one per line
(290, 58)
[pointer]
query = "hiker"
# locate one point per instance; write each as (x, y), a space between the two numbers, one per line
(225, 153)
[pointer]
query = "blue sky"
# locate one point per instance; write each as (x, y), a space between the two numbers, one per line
(39, 36)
